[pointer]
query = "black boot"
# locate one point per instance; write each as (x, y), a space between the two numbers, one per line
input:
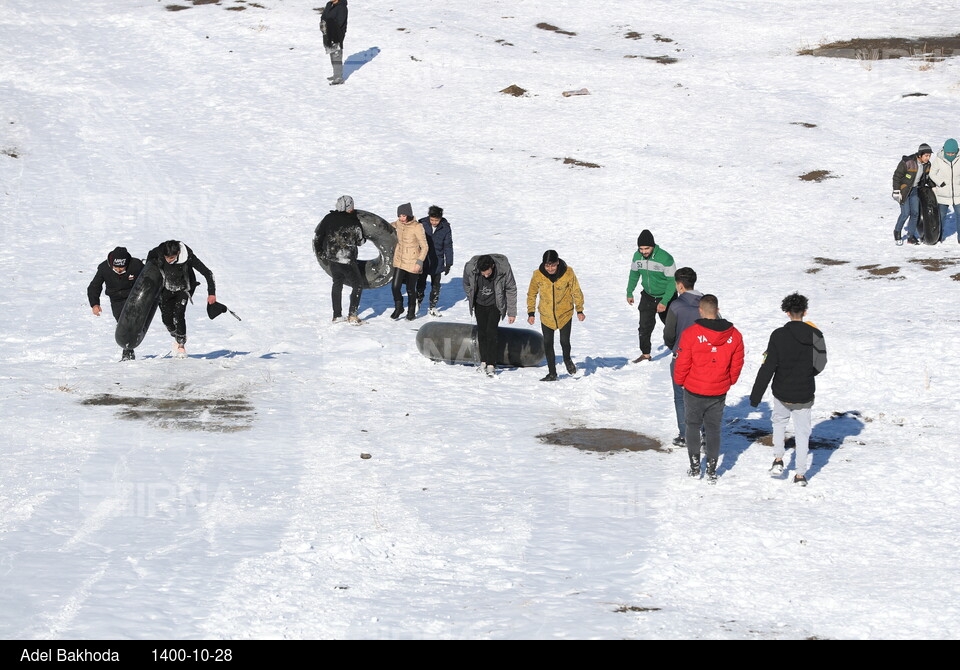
(397, 309)
(712, 471)
(128, 355)
(694, 470)
(413, 304)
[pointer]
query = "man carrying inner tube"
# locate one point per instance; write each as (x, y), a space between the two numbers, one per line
(178, 264)
(118, 273)
(338, 239)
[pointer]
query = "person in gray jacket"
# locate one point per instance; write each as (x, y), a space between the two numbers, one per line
(683, 311)
(491, 293)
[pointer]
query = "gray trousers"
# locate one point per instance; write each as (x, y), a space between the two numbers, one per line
(336, 59)
(801, 431)
(706, 411)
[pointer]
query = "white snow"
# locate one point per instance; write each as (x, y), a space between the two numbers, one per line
(132, 125)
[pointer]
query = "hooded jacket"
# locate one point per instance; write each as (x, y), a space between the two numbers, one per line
(906, 176)
(795, 355)
(181, 274)
(505, 286)
(411, 249)
(118, 285)
(681, 314)
(945, 176)
(559, 295)
(709, 357)
(339, 236)
(654, 273)
(440, 242)
(333, 23)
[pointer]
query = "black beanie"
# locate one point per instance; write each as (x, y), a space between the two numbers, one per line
(924, 149)
(119, 257)
(646, 239)
(407, 209)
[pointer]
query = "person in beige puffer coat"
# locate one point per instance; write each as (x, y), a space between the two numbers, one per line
(408, 257)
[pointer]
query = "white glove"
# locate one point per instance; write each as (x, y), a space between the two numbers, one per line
(896, 196)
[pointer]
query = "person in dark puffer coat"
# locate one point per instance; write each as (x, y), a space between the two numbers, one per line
(118, 273)
(439, 255)
(795, 355)
(333, 25)
(178, 266)
(911, 172)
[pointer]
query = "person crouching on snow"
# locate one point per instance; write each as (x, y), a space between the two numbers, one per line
(556, 284)
(118, 273)
(179, 265)
(491, 293)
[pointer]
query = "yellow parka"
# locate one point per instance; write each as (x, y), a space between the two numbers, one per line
(560, 295)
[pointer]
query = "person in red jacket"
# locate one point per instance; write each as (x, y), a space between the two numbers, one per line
(709, 360)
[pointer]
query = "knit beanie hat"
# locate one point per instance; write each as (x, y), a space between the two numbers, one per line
(950, 147)
(646, 239)
(924, 149)
(344, 203)
(119, 257)
(407, 209)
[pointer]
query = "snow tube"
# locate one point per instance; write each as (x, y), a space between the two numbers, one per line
(376, 272)
(457, 343)
(928, 224)
(140, 307)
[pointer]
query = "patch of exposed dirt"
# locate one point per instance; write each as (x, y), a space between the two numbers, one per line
(803, 123)
(813, 271)
(175, 8)
(236, 9)
(661, 38)
(878, 271)
(634, 35)
(935, 264)
(578, 163)
(663, 60)
(914, 95)
(13, 153)
(955, 277)
(818, 175)
(828, 261)
(515, 91)
(885, 48)
(602, 440)
(547, 26)
(633, 608)
(765, 437)
(504, 43)
(205, 2)
(253, 4)
(222, 415)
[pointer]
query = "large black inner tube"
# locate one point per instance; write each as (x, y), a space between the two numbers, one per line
(140, 307)
(378, 271)
(929, 220)
(457, 343)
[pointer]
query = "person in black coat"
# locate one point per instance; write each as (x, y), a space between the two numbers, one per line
(333, 25)
(439, 255)
(178, 266)
(118, 273)
(338, 238)
(795, 355)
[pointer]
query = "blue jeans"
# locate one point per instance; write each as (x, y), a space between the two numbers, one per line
(910, 209)
(943, 219)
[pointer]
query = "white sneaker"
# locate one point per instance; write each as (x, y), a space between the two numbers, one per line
(181, 351)
(490, 370)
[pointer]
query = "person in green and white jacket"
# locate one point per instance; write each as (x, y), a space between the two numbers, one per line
(654, 268)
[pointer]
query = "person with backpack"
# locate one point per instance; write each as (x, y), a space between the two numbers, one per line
(709, 361)
(556, 284)
(118, 273)
(795, 355)
(178, 267)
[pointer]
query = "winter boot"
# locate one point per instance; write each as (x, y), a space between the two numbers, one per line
(397, 309)
(128, 355)
(551, 377)
(413, 307)
(571, 368)
(694, 470)
(679, 441)
(777, 467)
(712, 471)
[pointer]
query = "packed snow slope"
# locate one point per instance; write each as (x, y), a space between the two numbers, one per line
(224, 496)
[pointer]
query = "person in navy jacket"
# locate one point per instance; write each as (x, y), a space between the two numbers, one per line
(439, 255)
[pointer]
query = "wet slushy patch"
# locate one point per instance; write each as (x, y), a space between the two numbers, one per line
(765, 437)
(225, 414)
(887, 48)
(602, 440)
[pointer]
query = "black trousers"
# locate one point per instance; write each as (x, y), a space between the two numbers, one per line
(548, 345)
(488, 319)
(173, 311)
(349, 274)
(648, 319)
(403, 278)
(708, 412)
(434, 287)
(117, 307)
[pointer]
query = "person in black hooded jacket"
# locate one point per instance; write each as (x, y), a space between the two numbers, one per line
(118, 273)
(795, 355)
(178, 266)
(333, 25)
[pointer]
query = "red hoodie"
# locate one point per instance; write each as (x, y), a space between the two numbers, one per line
(709, 357)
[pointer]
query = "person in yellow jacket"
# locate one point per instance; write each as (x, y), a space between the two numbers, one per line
(408, 258)
(556, 284)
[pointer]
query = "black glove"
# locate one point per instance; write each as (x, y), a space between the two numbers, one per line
(447, 270)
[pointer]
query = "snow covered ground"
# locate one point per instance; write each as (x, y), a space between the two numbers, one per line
(247, 512)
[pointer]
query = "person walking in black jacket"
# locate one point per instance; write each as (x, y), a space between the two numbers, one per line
(911, 173)
(178, 266)
(439, 255)
(118, 273)
(338, 238)
(333, 25)
(795, 355)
